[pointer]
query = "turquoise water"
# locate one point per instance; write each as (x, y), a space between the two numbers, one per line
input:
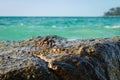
(19, 28)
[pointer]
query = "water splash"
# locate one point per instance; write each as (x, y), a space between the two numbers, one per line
(112, 27)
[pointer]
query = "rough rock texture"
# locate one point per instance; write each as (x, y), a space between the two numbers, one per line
(21, 65)
(56, 58)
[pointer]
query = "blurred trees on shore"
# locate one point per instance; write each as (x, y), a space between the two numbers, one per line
(113, 12)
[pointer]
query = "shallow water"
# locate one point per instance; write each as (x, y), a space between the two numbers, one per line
(19, 28)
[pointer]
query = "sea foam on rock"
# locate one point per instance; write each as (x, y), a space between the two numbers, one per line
(56, 58)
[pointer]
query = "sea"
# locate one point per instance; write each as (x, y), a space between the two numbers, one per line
(21, 28)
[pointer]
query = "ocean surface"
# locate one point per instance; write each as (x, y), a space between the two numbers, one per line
(20, 28)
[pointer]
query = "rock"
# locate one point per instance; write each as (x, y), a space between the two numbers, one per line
(94, 60)
(56, 58)
(1, 59)
(24, 67)
(73, 67)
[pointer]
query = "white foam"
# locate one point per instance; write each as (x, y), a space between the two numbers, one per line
(112, 26)
(21, 24)
(54, 26)
(71, 39)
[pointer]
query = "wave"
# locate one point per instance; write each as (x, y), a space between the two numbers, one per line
(112, 27)
(54, 26)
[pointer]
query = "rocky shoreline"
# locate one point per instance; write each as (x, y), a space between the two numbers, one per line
(57, 58)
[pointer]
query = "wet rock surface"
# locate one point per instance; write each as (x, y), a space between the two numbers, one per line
(56, 58)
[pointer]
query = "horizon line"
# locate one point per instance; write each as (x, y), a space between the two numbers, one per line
(48, 16)
(60, 16)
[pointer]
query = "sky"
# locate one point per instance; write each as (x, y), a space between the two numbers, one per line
(56, 7)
